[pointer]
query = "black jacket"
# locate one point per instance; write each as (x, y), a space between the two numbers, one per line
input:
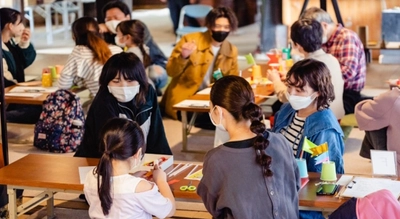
(105, 106)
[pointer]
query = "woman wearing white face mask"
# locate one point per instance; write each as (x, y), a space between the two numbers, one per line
(307, 114)
(110, 187)
(246, 172)
(125, 93)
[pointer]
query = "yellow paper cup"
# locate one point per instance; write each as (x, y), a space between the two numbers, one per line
(256, 72)
(328, 172)
(47, 80)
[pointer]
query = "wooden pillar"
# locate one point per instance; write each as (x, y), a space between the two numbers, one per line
(100, 4)
(273, 32)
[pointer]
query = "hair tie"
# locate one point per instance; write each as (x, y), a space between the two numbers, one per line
(107, 153)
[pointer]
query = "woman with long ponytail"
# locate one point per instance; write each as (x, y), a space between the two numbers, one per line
(84, 64)
(130, 35)
(254, 174)
(111, 187)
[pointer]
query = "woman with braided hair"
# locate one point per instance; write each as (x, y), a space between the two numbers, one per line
(254, 174)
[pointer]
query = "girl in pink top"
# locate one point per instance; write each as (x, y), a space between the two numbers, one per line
(114, 193)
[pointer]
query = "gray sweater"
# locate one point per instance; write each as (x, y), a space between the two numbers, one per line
(233, 185)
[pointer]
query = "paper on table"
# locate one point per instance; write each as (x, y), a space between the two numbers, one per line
(32, 89)
(344, 180)
(194, 103)
(362, 186)
(205, 91)
(33, 95)
(83, 171)
(384, 162)
(196, 175)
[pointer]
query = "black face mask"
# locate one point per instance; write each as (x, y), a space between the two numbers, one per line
(219, 36)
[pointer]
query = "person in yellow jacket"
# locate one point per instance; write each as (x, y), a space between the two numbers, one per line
(199, 59)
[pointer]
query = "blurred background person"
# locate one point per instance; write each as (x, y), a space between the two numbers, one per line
(197, 58)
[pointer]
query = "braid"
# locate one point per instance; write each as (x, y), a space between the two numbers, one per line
(146, 57)
(254, 113)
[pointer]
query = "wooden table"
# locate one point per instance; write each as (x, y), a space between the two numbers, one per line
(47, 173)
(32, 100)
(262, 92)
(24, 100)
(55, 173)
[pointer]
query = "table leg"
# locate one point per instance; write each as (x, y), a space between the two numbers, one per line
(49, 26)
(12, 202)
(50, 206)
(184, 131)
(65, 18)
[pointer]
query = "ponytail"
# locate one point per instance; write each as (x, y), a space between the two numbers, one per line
(253, 112)
(104, 173)
(99, 47)
(146, 57)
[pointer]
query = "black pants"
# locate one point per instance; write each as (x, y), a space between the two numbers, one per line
(175, 7)
(22, 113)
(375, 140)
(350, 100)
(4, 196)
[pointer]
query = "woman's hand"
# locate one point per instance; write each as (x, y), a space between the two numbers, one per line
(159, 175)
(103, 28)
(26, 35)
(188, 48)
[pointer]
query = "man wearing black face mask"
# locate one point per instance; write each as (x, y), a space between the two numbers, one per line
(197, 58)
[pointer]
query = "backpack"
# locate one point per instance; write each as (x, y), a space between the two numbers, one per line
(53, 131)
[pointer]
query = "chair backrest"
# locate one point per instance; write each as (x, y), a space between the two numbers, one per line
(195, 11)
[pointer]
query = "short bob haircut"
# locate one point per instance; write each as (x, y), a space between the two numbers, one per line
(317, 14)
(129, 66)
(219, 12)
(317, 76)
(308, 34)
(10, 16)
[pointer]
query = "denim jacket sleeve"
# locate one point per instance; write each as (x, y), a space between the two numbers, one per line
(335, 147)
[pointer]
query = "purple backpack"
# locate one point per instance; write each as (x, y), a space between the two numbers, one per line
(54, 131)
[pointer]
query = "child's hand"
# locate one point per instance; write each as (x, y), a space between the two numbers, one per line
(159, 175)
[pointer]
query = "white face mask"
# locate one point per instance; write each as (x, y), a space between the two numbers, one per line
(112, 26)
(124, 94)
(219, 126)
(300, 102)
(138, 162)
(117, 42)
(324, 39)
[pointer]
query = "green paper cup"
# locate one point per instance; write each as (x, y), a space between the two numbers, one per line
(328, 172)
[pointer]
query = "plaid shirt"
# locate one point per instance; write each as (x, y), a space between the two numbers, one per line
(345, 45)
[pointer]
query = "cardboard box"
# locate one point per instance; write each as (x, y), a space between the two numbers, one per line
(164, 161)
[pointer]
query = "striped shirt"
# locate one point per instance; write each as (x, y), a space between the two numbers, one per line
(294, 132)
(82, 70)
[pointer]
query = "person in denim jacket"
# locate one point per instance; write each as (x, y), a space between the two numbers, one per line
(307, 114)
